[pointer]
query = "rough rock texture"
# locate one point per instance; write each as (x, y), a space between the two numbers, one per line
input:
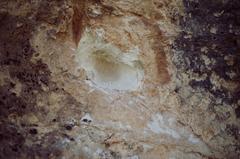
(112, 79)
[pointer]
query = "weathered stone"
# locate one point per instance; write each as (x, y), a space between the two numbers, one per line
(129, 79)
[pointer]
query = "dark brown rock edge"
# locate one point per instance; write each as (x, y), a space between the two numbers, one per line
(15, 62)
(221, 44)
(16, 52)
(199, 20)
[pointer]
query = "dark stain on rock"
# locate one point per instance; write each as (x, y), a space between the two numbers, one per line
(233, 131)
(15, 56)
(237, 112)
(16, 63)
(204, 83)
(33, 131)
(69, 127)
(51, 151)
(11, 141)
(211, 29)
(10, 103)
(50, 16)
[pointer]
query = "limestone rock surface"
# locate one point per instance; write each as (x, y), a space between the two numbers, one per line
(120, 79)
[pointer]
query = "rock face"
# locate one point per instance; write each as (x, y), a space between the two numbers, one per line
(130, 79)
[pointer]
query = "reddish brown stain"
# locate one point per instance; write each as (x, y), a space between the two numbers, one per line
(160, 56)
(78, 20)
